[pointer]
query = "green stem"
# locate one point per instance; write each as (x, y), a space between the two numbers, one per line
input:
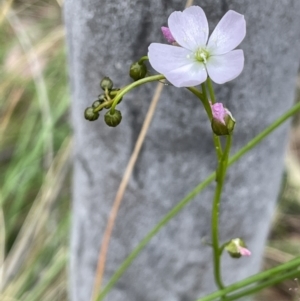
(142, 59)
(197, 93)
(221, 172)
(213, 100)
(264, 284)
(115, 92)
(271, 273)
(205, 102)
(173, 212)
(211, 90)
(221, 249)
(107, 95)
(128, 88)
(218, 146)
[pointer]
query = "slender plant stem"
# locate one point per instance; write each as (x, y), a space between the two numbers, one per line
(128, 88)
(211, 90)
(264, 284)
(218, 147)
(134, 85)
(221, 172)
(114, 92)
(205, 102)
(142, 59)
(197, 93)
(205, 99)
(174, 211)
(269, 274)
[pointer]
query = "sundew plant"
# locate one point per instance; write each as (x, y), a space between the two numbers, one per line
(193, 60)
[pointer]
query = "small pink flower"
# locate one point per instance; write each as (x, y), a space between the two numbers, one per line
(197, 57)
(167, 34)
(244, 251)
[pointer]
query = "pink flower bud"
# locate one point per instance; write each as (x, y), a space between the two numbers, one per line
(218, 112)
(237, 248)
(222, 121)
(167, 34)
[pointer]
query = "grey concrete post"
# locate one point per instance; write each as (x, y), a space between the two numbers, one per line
(104, 37)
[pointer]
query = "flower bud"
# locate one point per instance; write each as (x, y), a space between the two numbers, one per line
(167, 34)
(90, 115)
(237, 248)
(101, 98)
(106, 83)
(113, 119)
(96, 104)
(138, 71)
(222, 122)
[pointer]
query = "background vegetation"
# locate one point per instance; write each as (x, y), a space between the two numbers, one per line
(35, 150)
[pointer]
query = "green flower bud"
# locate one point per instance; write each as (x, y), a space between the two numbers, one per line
(113, 119)
(96, 104)
(101, 98)
(90, 115)
(237, 248)
(222, 122)
(137, 71)
(106, 83)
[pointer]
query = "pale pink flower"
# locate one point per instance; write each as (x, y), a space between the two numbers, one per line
(189, 63)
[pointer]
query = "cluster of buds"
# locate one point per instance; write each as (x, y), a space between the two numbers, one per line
(138, 70)
(104, 101)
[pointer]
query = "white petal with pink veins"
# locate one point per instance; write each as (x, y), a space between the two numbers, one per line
(189, 28)
(226, 67)
(228, 34)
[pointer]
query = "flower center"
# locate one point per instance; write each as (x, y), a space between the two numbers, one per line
(201, 55)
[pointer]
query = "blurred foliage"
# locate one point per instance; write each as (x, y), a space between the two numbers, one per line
(35, 145)
(284, 239)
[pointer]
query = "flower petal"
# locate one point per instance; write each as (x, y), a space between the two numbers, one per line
(164, 58)
(189, 28)
(244, 251)
(187, 76)
(226, 67)
(218, 111)
(174, 63)
(228, 34)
